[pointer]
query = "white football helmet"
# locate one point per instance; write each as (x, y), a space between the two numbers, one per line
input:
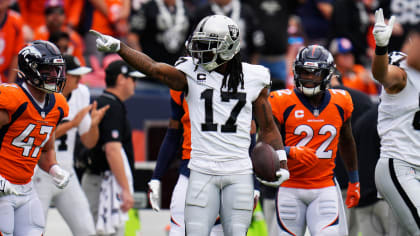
(214, 41)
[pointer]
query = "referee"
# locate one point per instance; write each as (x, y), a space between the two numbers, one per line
(113, 153)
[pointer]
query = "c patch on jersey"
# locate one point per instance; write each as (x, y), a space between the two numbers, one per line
(115, 133)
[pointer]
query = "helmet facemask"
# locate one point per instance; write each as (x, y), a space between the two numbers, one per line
(42, 66)
(313, 61)
(214, 42)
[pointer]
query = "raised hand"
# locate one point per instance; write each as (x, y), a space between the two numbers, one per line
(381, 31)
(106, 43)
(97, 114)
(80, 115)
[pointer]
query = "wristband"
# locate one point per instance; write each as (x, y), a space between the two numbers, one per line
(282, 155)
(287, 150)
(354, 176)
(381, 50)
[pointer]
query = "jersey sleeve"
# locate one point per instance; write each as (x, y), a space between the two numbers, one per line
(348, 106)
(62, 104)
(84, 125)
(6, 92)
(275, 102)
(18, 23)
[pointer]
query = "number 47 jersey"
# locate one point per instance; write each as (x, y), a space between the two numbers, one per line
(221, 121)
(29, 128)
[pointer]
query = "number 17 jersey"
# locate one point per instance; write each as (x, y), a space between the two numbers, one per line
(221, 121)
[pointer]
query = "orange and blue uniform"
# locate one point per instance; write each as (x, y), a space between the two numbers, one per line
(316, 128)
(178, 98)
(30, 127)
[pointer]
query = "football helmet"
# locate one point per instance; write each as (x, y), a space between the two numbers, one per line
(313, 60)
(214, 41)
(41, 65)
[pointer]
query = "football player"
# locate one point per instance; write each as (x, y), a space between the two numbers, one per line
(29, 114)
(179, 129)
(71, 201)
(221, 93)
(397, 173)
(313, 117)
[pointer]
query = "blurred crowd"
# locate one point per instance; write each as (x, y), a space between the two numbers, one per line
(272, 31)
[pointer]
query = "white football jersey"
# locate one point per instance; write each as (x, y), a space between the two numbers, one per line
(397, 114)
(221, 123)
(64, 145)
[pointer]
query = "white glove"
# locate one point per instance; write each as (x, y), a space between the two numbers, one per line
(154, 194)
(6, 187)
(381, 31)
(60, 176)
(282, 175)
(106, 43)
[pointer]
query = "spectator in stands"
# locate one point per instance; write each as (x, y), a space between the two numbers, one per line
(354, 76)
(32, 12)
(11, 41)
(111, 161)
(244, 16)
(159, 28)
(316, 16)
(273, 18)
(55, 23)
(350, 19)
(108, 17)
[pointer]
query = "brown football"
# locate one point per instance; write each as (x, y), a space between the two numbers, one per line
(265, 161)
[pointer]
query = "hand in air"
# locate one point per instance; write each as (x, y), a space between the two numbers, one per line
(381, 31)
(106, 43)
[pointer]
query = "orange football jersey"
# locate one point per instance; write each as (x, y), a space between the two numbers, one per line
(178, 98)
(317, 128)
(30, 127)
(11, 41)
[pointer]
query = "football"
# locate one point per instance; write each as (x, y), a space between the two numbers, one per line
(265, 161)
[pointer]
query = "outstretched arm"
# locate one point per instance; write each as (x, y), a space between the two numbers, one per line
(165, 73)
(391, 77)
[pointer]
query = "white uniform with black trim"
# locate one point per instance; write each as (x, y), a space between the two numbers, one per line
(221, 127)
(70, 201)
(397, 174)
(221, 170)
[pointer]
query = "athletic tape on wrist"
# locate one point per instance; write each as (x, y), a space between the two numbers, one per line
(282, 155)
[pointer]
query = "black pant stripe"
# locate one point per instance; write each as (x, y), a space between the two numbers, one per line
(403, 194)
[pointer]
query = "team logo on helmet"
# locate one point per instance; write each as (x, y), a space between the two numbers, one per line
(233, 31)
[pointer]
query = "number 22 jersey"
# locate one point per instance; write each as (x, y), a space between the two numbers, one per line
(221, 121)
(29, 128)
(317, 128)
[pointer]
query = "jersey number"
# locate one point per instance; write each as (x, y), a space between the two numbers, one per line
(416, 120)
(321, 151)
(62, 145)
(230, 124)
(27, 145)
